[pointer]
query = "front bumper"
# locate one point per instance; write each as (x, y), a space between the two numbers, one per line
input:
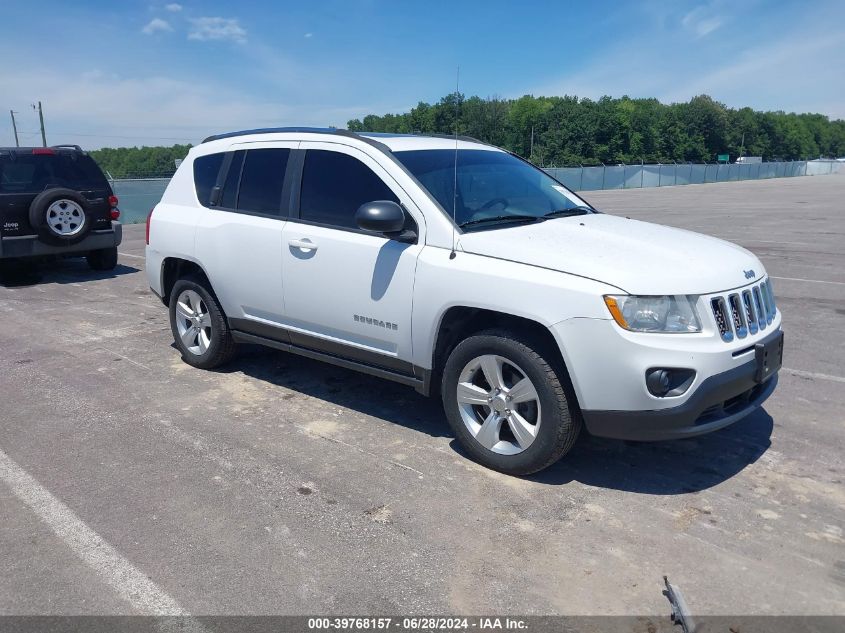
(31, 246)
(718, 402)
(607, 366)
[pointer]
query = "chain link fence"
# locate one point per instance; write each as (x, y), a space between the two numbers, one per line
(139, 194)
(663, 175)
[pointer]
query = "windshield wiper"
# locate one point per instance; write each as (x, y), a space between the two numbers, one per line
(502, 218)
(565, 213)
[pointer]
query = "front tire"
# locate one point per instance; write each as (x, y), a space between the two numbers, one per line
(199, 326)
(507, 403)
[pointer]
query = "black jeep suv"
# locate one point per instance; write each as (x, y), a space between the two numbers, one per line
(56, 201)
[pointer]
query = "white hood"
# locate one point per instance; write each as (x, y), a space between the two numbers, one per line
(638, 257)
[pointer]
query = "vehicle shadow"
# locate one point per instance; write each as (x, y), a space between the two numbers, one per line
(658, 468)
(664, 468)
(21, 274)
(342, 387)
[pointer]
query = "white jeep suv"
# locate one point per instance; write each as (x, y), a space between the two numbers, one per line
(462, 270)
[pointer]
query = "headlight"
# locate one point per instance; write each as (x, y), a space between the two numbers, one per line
(667, 313)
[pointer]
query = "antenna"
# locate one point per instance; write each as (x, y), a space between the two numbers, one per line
(455, 182)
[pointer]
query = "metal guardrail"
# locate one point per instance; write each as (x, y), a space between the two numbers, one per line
(622, 176)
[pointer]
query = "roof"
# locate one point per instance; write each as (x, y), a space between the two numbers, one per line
(29, 150)
(389, 141)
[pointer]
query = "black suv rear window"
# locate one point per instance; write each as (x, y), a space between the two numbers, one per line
(32, 173)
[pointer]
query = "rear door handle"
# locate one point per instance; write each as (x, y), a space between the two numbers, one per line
(304, 244)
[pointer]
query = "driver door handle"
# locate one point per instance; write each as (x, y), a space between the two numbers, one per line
(304, 244)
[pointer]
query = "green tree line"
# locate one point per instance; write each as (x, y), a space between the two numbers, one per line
(139, 162)
(560, 131)
(571, 131)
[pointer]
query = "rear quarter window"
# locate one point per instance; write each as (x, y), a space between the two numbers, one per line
(206, 169)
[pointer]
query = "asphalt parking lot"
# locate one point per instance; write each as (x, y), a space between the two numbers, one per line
(131, 482)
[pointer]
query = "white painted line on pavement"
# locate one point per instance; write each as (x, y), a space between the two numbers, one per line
(810, 281)
(811, 374)
(129, 255)
(127, 580)
(126, 359)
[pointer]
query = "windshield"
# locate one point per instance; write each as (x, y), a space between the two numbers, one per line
(492, 187)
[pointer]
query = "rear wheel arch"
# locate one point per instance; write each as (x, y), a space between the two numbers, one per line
(175, 268)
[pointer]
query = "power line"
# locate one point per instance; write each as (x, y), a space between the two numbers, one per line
(158, 138)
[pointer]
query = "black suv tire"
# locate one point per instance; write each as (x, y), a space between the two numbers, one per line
(103, 259)
(42, 205)
(221, 345)
(557, 429)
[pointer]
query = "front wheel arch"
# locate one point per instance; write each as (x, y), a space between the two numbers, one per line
(461, 322)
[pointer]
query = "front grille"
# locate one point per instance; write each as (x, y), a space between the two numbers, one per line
(744, 313)
(730, 406)
(720, 311)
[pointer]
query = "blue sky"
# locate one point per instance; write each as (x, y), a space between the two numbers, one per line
(131, 73)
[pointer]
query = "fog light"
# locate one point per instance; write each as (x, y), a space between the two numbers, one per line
(663, 382)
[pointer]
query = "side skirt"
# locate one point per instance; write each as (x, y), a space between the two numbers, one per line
(422, 385)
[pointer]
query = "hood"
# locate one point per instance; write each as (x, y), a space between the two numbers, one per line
(637, 257)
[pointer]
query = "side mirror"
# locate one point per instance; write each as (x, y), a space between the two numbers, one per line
(380, 216)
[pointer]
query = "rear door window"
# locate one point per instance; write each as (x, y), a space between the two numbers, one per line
(262, 179)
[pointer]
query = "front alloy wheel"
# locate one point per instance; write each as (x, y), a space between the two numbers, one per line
(499, 404)
(507, 398)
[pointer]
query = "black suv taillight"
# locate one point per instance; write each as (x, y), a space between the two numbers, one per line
(114, 212)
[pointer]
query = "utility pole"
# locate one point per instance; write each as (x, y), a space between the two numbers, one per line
(41, 119)
(15, 128)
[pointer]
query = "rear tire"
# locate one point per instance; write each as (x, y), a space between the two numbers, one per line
(103, 259)
(533, 424)
(200, 329)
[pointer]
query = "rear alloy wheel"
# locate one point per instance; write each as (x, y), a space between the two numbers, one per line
(507, 403)
(199, 326)
(193, 322)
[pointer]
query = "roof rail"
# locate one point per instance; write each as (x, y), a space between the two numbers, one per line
(367, 137)
(76, 147)
(451, 137)
(460, 137)
(311, 130)
(272, 130)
